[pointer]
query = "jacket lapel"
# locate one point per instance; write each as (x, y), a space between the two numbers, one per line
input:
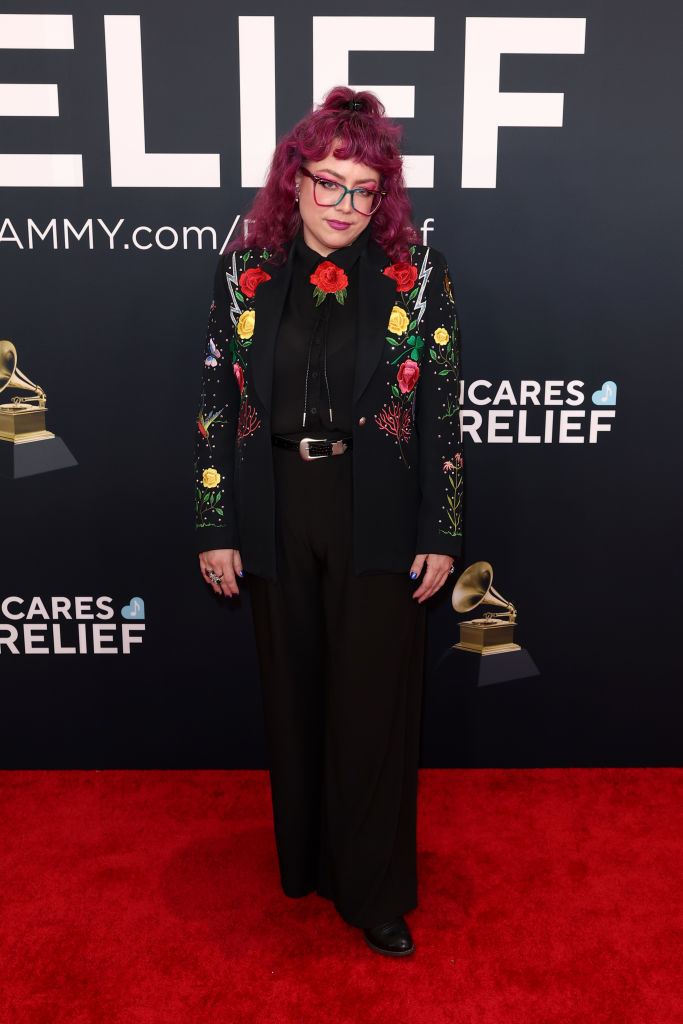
(269, 302)
(376, 298)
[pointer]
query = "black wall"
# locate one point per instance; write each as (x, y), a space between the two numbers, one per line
(566, 270)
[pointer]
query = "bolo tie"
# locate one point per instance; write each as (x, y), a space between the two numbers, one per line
(308, 367)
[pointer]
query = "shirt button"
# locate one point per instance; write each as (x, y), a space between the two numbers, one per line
(313, 410)
(361, 421)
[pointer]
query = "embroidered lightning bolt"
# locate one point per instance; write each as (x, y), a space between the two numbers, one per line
(423, 276)
(231, 278)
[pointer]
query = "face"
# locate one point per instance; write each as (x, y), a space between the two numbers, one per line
(326, 228)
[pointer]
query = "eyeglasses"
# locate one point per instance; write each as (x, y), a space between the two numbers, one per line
(330, 193)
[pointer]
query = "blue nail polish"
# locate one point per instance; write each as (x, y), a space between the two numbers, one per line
(241, 572)
(413, 575)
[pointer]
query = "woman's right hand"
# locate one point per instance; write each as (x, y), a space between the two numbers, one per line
(225, 562)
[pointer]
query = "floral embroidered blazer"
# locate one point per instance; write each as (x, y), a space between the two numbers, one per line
(407, 451)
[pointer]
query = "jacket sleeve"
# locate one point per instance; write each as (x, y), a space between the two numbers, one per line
(215, 429)
(437, 419)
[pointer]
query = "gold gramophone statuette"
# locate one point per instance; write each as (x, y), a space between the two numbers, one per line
(22, 419)
(493, 633)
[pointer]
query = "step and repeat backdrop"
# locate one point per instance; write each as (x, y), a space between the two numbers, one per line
(543, 156)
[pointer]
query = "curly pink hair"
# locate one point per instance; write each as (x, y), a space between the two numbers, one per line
(363, 134)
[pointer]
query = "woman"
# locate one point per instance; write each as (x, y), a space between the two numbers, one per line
(329, 469)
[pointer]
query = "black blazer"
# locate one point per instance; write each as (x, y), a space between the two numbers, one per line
(407, 451)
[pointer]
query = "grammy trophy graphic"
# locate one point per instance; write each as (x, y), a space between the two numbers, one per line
(492, 633)
(27, 447)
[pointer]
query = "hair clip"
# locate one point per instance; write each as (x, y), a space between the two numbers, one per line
(355, 105)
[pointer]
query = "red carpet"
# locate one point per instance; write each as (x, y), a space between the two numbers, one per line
(549, 896)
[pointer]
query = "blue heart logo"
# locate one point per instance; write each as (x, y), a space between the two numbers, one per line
(134, 610)
(607, 395)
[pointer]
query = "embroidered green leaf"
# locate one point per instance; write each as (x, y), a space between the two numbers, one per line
(395, 391)
(411, 324)
(412, 250)
(393, 341)
(416, 353)
(341, 295)
(432, 353)
(238, 295)
(265, 254)
(220, 511)
(319, 295)
(413, 294)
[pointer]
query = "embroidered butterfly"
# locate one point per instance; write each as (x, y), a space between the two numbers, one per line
(215, 354)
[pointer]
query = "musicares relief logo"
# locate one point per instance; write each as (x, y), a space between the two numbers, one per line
(70, 625)
(535, 412)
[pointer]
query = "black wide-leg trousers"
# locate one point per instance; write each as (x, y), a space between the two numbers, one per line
(341, 666)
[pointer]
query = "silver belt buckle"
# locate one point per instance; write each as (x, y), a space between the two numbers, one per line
(304, 448)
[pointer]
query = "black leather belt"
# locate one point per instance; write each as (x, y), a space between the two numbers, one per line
(313, 448)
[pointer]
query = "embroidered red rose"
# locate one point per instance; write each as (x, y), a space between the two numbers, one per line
(251, 279)
(404, 274)
(239, 374)
(329, 277)
(407, 376)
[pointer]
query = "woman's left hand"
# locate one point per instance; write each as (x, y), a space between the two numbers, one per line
(436, 574)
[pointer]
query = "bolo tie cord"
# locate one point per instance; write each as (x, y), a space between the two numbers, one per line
(327, 386)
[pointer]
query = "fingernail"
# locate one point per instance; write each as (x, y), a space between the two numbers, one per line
(413, 574)
(241, 572)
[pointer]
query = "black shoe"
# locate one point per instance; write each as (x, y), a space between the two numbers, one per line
(392, 938)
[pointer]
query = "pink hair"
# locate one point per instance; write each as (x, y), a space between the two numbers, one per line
(365, 135)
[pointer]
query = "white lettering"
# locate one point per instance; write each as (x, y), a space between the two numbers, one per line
(37, 608)
(42, 235)
(596, 425)
(553, 392)
(83, 608)
(101, 639)
(30, 640)
(8, 225)
(57, 641)
(9, 639)
(495, 425)
(574, 389)
(522, 436)
(131, 165)
(470, 422)
(529, 389)
(257, 97)
(199, 232)
(128, 631)
(110, 233)
(87, 227)
(105, 608)
(25, 170)
(485, 108)
(335, 37)
(6, 613)
(566, 424)
(472, 389)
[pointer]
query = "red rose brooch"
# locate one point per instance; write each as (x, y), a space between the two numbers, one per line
(329, 279)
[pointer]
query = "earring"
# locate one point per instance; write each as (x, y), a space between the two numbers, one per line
(297, 191)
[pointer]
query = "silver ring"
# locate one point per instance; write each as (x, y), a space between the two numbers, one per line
(213, 576)
(451, 570)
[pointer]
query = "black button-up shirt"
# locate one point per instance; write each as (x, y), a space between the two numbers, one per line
(315, 348)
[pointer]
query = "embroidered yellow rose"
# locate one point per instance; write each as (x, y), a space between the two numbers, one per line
(245, 324)
(441, 336)
(211, 477)
(398, 321)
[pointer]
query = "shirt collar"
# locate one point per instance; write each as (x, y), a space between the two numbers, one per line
(344, 257)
